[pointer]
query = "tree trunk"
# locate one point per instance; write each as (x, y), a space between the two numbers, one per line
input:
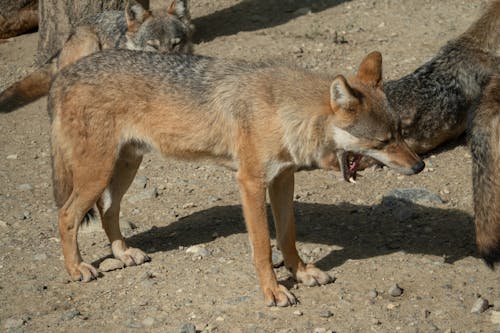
(57, 17)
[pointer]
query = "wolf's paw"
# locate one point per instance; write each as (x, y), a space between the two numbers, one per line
(133, 257)
(311, 276)
(279, 297)
(83, 272)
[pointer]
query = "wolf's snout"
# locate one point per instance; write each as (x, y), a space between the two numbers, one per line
(419, 166)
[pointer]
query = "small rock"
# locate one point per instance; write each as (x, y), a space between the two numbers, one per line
(189, 205)
(198, 250)
(111, 264)
(319, 330)
(12, 157)
(298, 313)
(25, 187)
(26, 215)
(3, 224)
(325, 314)
(141, 181)
(12, 324)
(144, 195)
(495, 317)
(480, 305)
(148, 322)
(213, 199)
(127, 225)
(188, 328)
(71, 314)
(40, 257)
(415, 195)
(303, 11)
(392, 306)
(372, 293)
(277, 258)
(395, 290)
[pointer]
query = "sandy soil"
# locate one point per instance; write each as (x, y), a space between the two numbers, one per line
(357, 233)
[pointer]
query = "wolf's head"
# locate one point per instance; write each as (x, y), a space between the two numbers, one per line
(364, 123)
(168, 30)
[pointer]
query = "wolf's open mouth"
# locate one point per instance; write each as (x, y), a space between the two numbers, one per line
(349, 164)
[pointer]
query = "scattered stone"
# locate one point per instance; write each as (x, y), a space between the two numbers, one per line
(189, 205)
(12, 324)
(414, 195)
(71, 314)
(320, 330)
(236, 300)
(25, 187)
(40, 257)
(213, 199)
(3, 224)
(480, 305)
(325, 314)
(188, 328)
(298, 313)
(395, 290)
(111, 264)
(144, 195)
(148, 322)
(198, 250)
(392, 306)
(303, 11)
(141, 181)
(127, 225)
(25, 215)
(12, 157)
(372, 293)
(495, 317)
(277, 258)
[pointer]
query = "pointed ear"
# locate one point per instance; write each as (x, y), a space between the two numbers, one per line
(135, 14)
(180, 9)
(341, 94)
(370, 70)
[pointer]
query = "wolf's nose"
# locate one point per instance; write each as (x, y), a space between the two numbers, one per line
(419, 166)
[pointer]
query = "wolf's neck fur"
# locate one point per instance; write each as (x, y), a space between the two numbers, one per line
(485, 31)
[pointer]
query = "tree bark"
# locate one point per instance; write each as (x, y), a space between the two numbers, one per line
(58, 17)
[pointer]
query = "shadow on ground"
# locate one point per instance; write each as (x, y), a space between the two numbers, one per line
(362, 231)
(252, 15)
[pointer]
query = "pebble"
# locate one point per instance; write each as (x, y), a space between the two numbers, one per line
(495, 317)
(480, 305)
(3, 224)
(320, 330)
(198, 250)
(188, 328)
(303, 11)
(148, 322)
(25, 187)
(11, 323)
(12, 157)
(144, 195)
(372, 293)
(392, 306)
(298, 313)
(395, 290)
(325, 314)
(277, 258)
(26, 215)
(417, 195)
(40, 257)
(111, 264)
(141, 181)
(71, 314)
(127, 225)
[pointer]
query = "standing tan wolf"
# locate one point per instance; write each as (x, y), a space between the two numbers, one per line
(165, 30)
(485, 148)
(434, 100)
(264, 120)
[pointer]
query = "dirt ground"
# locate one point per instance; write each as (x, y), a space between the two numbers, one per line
(359, 233)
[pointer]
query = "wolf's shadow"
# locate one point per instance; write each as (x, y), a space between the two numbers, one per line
(361, 231)
(252, 15)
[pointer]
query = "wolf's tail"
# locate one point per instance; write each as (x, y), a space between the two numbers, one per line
(29, 89)
(484, 32)
(485, 150)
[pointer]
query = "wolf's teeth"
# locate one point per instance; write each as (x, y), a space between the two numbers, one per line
(351, 180)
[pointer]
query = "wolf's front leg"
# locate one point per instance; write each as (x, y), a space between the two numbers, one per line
(253, 196)
(281, 195)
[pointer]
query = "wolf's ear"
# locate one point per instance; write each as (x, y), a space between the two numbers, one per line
(180, 9)
(370, 70)
(341, 94)
(135, 14)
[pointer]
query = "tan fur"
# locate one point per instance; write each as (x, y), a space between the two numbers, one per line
(16, 23)
(266, 121)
